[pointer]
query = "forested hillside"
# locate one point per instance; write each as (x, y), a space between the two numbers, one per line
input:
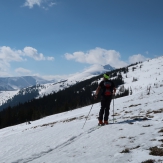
(75, 96)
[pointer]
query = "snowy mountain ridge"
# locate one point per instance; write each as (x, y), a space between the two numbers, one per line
(15, 83)
(134, 137)
(12, 86)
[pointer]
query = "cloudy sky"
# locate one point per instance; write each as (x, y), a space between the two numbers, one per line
(61, 37)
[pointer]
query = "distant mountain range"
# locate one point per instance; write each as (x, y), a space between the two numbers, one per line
(16, 83)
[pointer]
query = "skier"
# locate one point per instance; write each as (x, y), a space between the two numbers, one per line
(108, 91)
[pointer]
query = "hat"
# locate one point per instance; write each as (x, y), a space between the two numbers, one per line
(106, 76)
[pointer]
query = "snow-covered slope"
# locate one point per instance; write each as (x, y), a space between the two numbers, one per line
(146, 74)
(88, 73)
(135, 136)
(140, 77)
(10, 86)
(5, 95)
(61, 138)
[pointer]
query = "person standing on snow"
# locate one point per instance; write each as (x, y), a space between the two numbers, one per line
(108, 91)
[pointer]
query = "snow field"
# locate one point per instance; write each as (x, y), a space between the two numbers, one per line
(66, 141)
(60, 138)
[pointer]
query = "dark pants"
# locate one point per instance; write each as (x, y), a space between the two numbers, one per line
(105, 107)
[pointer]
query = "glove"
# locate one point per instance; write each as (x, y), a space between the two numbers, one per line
(95, 97)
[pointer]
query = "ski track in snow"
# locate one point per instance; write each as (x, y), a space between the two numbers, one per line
(58, 147)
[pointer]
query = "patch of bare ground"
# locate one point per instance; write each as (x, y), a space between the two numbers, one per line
(155, 151)
(135, 147)
(131, 123)
(142, 133)
(150, 116)
(149, 161)
(138, 118)
(161, 140)
(160, 131)
(134, 105)
(115, 114)
(152, 161)
(52, 123)
(155, 111)
(161, 145)
(122, 137)
(147, 125)
(128, 112)
(153, 140)
(127, 150)
(69, 120)
(158, 111)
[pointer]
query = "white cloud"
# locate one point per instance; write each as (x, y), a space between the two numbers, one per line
(50, 58)
(8, 55)
(41, 3)
(22, 71)
(137, 58)
(31, 52)
(98, 56)
(51, 4)
(31, 3)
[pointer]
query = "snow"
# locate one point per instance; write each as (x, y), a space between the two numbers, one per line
(72, 79)
(5, 95)
(61, 138)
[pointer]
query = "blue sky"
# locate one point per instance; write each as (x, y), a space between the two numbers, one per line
(61, 37)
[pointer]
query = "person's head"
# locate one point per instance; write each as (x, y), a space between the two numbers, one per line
(106, 76)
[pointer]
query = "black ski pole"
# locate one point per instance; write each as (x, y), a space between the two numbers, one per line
(113, 109)
(87, 116)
